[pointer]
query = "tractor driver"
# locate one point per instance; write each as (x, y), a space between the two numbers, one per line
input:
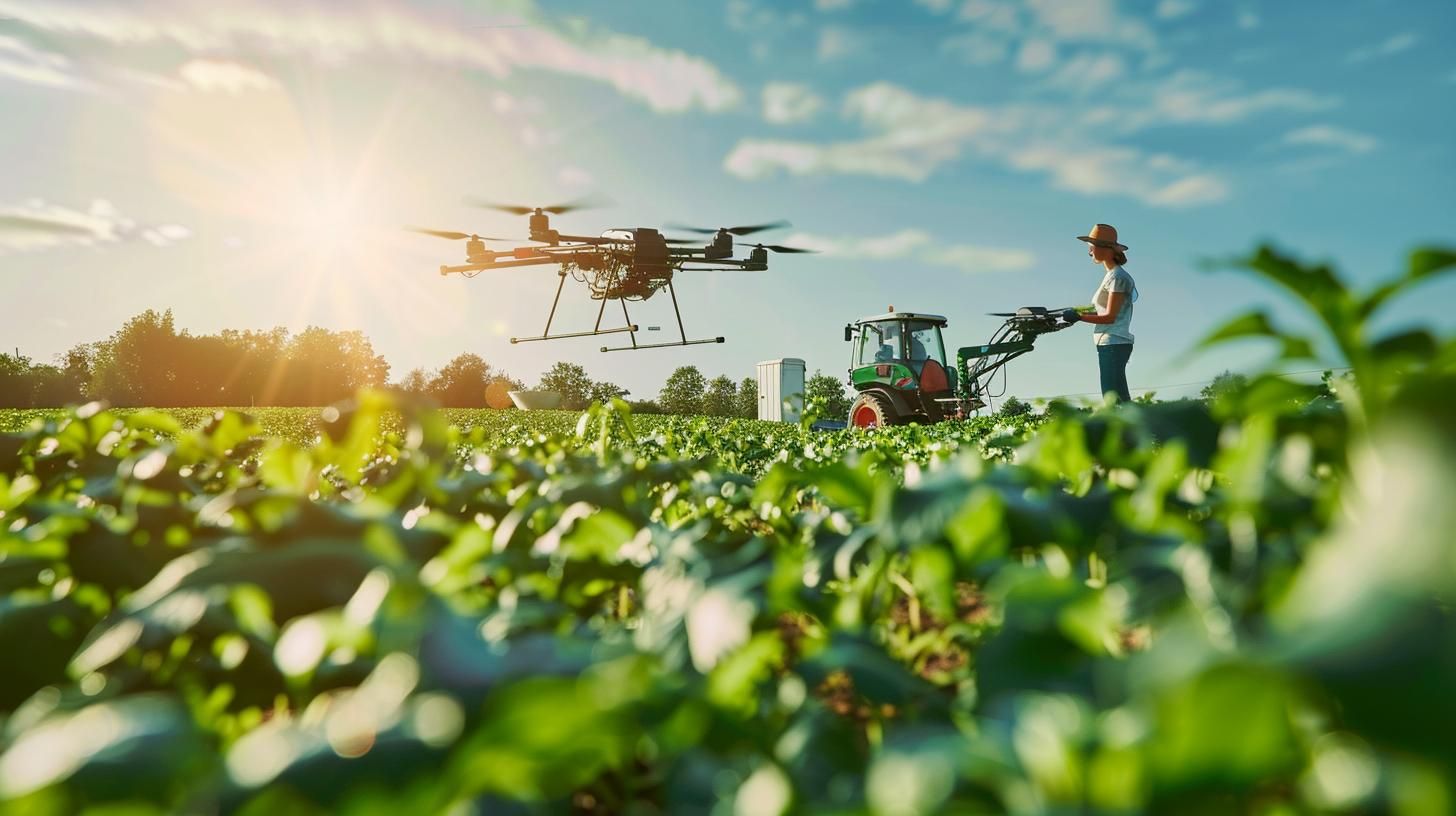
(889, 341)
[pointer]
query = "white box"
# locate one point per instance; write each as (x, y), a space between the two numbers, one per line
(781, 389)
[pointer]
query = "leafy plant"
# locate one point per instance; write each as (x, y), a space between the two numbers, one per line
(1156, 608)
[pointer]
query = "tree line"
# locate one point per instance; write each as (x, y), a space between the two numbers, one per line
(149, 362)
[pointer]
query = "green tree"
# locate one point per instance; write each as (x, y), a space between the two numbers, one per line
(1227, 383)
(1014, 407)
(462, 382)
(572, 382)
(134, 365)
(604, 392)
(417, 381)
(683, 392)
(828, 394)
(324, 366)
(80, 365)
(14, 381)
(51, 388)
(721, 398)
(747, 402)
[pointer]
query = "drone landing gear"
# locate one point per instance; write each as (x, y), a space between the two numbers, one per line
(547, 335)
(681, 332)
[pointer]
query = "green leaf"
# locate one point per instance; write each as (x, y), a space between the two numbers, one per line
(1424, 263)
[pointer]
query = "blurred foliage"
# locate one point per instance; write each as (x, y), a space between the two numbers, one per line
(1235, 607)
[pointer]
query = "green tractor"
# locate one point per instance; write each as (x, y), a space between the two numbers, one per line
(899, 367)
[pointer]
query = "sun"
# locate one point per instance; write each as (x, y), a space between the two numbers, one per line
(323, 216)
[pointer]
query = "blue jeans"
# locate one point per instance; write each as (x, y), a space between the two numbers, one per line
(1112, 362)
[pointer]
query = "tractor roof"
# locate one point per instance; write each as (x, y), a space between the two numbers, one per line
(938, 319)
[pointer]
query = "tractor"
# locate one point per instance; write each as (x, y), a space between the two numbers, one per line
(899, 367)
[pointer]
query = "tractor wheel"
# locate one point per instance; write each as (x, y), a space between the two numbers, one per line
(870, 410)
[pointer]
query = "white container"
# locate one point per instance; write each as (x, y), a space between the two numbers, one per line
(781, 389)
(536, 400)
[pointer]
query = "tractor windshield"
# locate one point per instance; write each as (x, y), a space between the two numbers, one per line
(925, 343)
(878, 343)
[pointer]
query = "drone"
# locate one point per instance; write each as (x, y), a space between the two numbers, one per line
(621, 264)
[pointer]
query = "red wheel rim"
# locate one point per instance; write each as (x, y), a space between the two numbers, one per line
(865, 417)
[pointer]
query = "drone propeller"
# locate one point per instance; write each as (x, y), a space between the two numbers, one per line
(25, 223)
(456, 236)
(740, 231)
(785, 249)
(556, 209)
(682, 241)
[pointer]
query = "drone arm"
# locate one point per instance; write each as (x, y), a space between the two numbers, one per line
(480, 267)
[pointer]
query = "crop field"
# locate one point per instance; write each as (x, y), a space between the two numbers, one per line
(1236, 606)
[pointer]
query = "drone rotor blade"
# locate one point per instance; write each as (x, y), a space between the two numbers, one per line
(787, 249)
(739, 231)
(686, 228)
(749, 230)
(513, 209)
(446, 234)
(588, 203)
(450, 235)
(24, 223)
(1002, 314)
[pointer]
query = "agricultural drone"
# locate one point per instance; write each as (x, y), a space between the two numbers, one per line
(620, 264)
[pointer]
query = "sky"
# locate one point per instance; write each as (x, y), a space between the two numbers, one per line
(250, 164)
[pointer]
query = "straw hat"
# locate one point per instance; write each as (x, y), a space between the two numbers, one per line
(1103, 235)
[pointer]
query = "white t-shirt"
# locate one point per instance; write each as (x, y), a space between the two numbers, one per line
(1119, 330)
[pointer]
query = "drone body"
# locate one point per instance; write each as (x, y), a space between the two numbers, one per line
(620, 264)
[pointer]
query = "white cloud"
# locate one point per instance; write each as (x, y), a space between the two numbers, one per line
(37, 225)
(665, 79)
(787, 103)
(751, 17)
(1173, 9)
(1036, 56)
(1191, 191)
(223, 75)
(23, 62)
(936, 6)
(972, 258)
(1088, 72)
(977, 48)
(1248, 19)
(910, 137)
(878, 247)
(837, 42)
(1385, 48)
(916, 244)
(1096, 21)
(993, 15)
(574, 177)
(1036, 31)
(1190, 97)
(1331, 136)
(1159, 179)
(832, 5)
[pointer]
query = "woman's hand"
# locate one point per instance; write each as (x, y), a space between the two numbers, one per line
(1072, 316)
(1114, 305)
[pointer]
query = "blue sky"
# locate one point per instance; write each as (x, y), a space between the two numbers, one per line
(252, 164)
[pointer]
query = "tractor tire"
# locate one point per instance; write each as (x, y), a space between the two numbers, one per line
(870, 410)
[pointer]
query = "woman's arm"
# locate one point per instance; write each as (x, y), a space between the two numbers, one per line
(1114, 306)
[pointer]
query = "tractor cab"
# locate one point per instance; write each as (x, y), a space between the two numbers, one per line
(898, 366)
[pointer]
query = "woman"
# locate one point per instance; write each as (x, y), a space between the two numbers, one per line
(1113, 319)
